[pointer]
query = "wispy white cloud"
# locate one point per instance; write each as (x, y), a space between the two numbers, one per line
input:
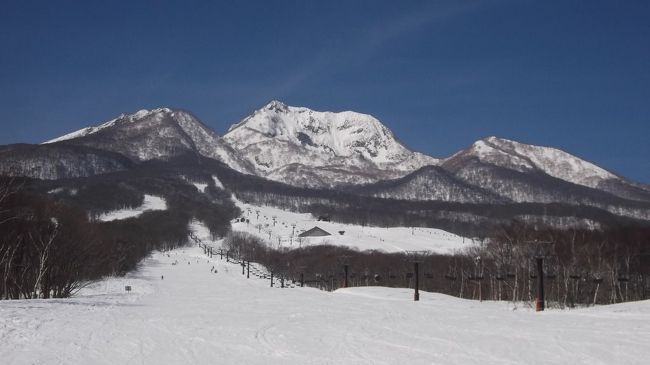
(366, 44)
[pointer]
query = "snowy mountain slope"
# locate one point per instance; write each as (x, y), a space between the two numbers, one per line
(150, 203)
(527, 158)
(155, 134)
(280, 229)
(180, 312)
(306, 148)
(302, 147)
(538, 187)
(430, 183)
(278, 135)
(524, 157)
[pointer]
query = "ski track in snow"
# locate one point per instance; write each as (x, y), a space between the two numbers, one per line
(198, 317)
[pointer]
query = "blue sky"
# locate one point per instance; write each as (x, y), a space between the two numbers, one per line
(440, 74)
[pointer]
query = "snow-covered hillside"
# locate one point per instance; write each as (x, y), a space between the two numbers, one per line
(156, 134)
(302, 147)
(150, 203)
(122, 119)
(277, 136)
(524, 157)
(181, 312)
(282, 228)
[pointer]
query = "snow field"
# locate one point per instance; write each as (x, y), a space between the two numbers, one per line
(391, 239)
(151, 202)
(197, 316)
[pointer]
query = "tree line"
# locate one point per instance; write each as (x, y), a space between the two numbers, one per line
(50, 245)
(581, 267)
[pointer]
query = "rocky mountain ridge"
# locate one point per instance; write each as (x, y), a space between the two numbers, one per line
(306, 148)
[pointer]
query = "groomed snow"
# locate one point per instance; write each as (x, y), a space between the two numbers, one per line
(391, 239)
(196, 316)
(151, 202)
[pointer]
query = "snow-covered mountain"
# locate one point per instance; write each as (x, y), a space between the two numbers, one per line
(286, 143)
(306, 148)
(535, 160)
(524, 158)
(303, 147)
(156, 134)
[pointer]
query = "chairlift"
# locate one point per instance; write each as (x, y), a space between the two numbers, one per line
(409, 275)
(450, 277)
(428, 275)
(510, 275)
(377, 278)
(597, 280)
(575, 276)
(500, 277)
(475, 277)
(623, 279)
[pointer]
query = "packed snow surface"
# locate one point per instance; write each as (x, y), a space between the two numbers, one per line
(151, 202)
(389, 239)
(181, 312)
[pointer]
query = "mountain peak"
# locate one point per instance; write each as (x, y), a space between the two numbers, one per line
(278, 135)
(158, 133)
(276, 105)
(122, 118)
(526, 157)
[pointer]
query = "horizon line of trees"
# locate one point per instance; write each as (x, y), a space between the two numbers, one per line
(581, 267)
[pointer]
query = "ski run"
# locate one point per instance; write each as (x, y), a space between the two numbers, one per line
(185, 308)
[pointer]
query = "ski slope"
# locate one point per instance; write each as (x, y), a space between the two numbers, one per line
(197, 316)
(151, 202)
(282, 233)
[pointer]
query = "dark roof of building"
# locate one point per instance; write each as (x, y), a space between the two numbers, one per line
(314, 232)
